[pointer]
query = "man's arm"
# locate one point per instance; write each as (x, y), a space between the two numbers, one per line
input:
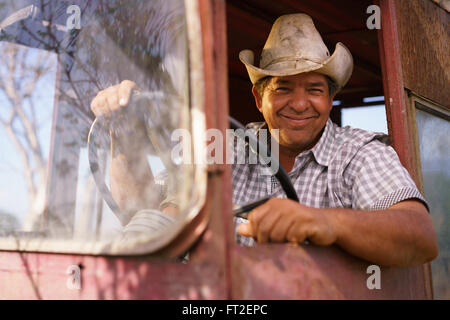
(132, 183)
(401, 235)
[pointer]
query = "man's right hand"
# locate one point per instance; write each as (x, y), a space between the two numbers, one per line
(113, 98)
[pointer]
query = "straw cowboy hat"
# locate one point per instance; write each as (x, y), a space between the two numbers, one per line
(295, 46)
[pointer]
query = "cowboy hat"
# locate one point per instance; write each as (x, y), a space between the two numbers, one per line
(295, 46)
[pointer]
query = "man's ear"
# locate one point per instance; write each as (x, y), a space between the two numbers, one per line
(331, 100)
(258, 99)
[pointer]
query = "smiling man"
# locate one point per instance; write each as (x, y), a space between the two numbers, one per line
(353, 190)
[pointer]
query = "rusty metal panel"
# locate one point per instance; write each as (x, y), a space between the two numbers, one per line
(43, 276)
(424, 42)
(282, 271)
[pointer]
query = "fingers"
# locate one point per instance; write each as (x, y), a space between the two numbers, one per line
(109, 100)
(279, 220)
(258, 214)
(99, 105)
(266, 225)
(112, 99)
(279, 231)
(124, 92)
(261, 221)
(297, 233)
(105, 103)
(245, 229)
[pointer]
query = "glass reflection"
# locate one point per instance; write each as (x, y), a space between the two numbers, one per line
(434, 142)
(52, 66)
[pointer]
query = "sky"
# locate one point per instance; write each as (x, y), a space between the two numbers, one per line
(372, 118)
(13, 193)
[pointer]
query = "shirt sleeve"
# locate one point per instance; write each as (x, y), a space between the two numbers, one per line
(381, 180)
(166, 194)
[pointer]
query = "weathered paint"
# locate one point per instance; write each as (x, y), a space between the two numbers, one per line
(312, 272)
(43, 276)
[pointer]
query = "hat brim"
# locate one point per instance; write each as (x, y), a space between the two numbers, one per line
(339, 66)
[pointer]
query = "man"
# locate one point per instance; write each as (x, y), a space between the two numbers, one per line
(352, 188)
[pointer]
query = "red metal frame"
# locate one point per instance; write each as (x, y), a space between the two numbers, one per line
(397, 113)
(396, 110)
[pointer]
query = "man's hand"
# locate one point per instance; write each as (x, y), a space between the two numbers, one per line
(281, 220)
(111, 99)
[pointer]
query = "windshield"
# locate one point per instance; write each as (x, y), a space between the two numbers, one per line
(55, 57)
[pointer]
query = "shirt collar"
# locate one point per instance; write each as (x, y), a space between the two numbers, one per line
(322, 149)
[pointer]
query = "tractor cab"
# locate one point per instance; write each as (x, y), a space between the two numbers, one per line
(62, 233)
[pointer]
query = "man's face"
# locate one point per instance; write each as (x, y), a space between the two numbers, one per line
(299, 106)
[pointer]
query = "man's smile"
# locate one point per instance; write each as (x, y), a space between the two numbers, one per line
(297, 121)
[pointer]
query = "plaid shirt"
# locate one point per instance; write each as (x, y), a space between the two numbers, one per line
(347, 168)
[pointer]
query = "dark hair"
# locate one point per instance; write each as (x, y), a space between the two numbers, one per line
(332, 86)
(261, 85)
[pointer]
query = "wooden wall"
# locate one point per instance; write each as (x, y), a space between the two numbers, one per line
(424, 38)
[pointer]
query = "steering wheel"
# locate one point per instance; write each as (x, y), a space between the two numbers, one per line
(157, 133)
(100, 124)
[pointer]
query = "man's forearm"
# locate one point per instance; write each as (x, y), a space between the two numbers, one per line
(398, 236)
(132, 183)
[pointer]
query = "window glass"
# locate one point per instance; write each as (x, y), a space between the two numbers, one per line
(372, 118)
(434, 141)
(56, 159)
